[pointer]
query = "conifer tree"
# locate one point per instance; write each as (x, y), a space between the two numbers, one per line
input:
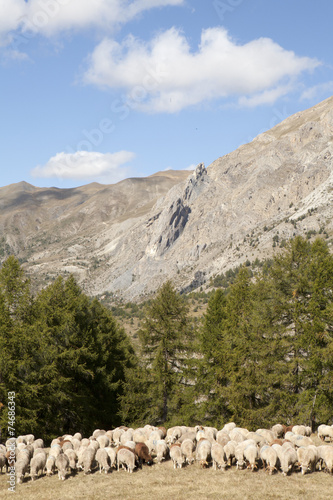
(165, 338)
(213, 372)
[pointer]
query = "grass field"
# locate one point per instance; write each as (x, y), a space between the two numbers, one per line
(162, 482)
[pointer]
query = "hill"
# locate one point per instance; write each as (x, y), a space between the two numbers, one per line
(127, 239)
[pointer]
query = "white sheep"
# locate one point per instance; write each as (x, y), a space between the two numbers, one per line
(188, 449)
(126, 458)
(218, 456)
(50, 465)
(21, 468)
(103, 441)
(103, 460)
(269, 457)
(162, 450)
(251, 455)
(62, 464)
(203, 454)
(325, 431)
(88, 458)
(307, 458)
(325, 454)
(37, 465)
(72, 457)
(288, 460)
(177, 456)
(278, 431)
(229, 450)
(113, 456)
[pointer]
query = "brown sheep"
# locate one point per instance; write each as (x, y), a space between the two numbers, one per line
(142, 452)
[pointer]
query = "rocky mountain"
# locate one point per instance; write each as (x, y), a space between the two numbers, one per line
(130, 237)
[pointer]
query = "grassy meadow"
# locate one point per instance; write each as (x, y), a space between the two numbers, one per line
(162, 482)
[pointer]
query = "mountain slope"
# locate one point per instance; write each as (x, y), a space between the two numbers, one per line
(130, 237)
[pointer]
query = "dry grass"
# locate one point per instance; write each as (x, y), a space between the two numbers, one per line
(162, 482)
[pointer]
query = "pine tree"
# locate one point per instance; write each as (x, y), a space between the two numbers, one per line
(214, 364)
(166, 355)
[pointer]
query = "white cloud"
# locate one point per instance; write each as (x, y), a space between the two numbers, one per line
(86, 165)
(166, 75)
(49, 17)
(313, 92)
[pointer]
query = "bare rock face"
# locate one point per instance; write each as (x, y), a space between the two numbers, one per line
(169, 224)
(130, 237)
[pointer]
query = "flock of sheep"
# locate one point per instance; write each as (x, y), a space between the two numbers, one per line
(280, 448)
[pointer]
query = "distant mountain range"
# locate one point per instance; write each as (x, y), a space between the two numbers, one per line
(130, 237)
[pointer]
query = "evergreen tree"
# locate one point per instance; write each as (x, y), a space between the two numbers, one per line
(166, 356)
(303, 281)
(213, 373)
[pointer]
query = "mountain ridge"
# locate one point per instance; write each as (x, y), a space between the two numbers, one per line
(128, 238)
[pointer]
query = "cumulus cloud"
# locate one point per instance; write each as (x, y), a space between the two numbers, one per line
(166, 75)
(86, 165)
(49, 17)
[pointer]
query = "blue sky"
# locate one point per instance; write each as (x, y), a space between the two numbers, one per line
(101, 90)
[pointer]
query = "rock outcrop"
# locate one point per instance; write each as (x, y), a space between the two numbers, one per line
(129, 238)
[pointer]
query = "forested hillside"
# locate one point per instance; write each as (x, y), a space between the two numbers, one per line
(261, 353)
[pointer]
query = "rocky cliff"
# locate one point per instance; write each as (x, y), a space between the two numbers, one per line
(130, 237)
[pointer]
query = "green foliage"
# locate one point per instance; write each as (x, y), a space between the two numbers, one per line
(161, 379)
(64, 357)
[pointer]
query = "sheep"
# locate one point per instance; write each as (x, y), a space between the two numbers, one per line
(139, 436)
(300, 430)
(67, 445)
(126, 436)
(21, 468)
(62, 464)
(325, 454)
(307, 458)
(251, 455)
(222, 438)
(177, 456)
(288, 460)
(203, 454)
(88, 457)
(299, 441)
(218, 456)
(258, 438)
(103, 441)
(72, 457)
(269, 457)
(187, 435)
(30, 438)
(55, 450)
(78, 436)
(229, 450)
(278, 430)
(267, 434)
(188, 448)
(76, 443)
(97, 433)
(130, 444)
(142, 452)
(228, 427)
(39, 443)
(94, 444)
(173, 434)
(50, 465)
(20, 440)
(37, 465)
(126, 458)
(3, 461)
(103, 460)
(117, 435)
(162, 450)
(236, 435)
(239, 452)
(325, 431)
(85, 442)
(112, 455)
